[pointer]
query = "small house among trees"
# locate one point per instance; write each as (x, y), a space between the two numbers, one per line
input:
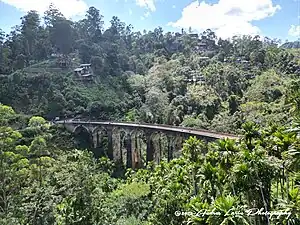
(62, 61)
(84, 72)
(196, 79)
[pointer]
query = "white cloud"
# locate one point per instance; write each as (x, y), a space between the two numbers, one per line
(147, 14)
(173, 6)
(149, 4)
(130, 12)
(227, 17)
(67, 7)
(294, 31)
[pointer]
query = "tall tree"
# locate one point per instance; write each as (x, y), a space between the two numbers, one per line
(94, 23)
(2, 35)
(52, 15)
(62, 36)
(29, 29)
(117, 26)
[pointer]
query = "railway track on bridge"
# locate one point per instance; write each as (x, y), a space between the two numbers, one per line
(157, 127)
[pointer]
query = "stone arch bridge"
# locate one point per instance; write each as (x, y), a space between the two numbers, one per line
(124, 139)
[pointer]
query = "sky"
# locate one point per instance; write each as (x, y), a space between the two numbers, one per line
(272, 18)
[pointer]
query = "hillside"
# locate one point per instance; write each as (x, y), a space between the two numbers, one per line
(146, 77)
(229, 94)
(295, 44)
(42, 89)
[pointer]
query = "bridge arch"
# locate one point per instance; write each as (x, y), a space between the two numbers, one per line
(160, 142)
(123, 130)
(83, 137)
(101, 141)
(137, 132)
(125, 146)
(80, 128)
(139, 141)
(102, 130)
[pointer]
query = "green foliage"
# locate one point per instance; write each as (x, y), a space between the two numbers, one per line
(6, 112)
(217, 183)
(266, 88)
(37, 122)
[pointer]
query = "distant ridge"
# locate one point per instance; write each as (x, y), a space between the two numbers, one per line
(294, 44)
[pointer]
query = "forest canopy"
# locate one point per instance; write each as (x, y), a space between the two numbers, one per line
(181, 78)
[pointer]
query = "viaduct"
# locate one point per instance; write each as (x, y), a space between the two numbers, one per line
(124, 139)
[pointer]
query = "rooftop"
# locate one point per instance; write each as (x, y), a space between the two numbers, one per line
(87, 75)
(84, 65)
(194, 35)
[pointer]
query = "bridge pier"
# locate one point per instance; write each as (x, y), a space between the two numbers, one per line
(95, 140)
(133, 158)
(155, 139)
(180, 139)
(135, 153)
(117, 151)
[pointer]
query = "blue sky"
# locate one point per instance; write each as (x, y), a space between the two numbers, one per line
(273, 18)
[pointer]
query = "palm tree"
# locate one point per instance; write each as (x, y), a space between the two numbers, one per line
(290, 209)
(252, 176)
(251, 131)
(227, 150)
(227, 153)
(228, 211)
